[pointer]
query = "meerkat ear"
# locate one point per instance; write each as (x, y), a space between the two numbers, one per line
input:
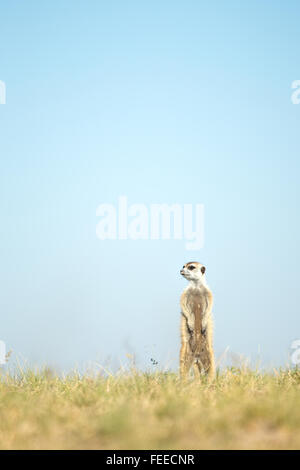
(203, 269)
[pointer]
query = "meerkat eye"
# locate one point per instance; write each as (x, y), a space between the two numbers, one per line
(191, 268)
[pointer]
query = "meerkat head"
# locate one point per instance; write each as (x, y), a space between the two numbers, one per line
(193, 271)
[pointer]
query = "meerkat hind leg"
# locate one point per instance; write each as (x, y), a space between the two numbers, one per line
(208, 366)
(197, 370)
(186, 360)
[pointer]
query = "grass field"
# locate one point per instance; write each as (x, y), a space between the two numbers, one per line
(241, 409)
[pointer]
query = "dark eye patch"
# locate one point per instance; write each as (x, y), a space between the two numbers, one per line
(191, 268)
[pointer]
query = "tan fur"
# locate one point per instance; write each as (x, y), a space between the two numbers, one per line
(196, 324)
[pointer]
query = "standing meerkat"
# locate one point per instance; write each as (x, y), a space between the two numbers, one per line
(196, 323)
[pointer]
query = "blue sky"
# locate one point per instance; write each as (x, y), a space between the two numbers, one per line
(164, 102)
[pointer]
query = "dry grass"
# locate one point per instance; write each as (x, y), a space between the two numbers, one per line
(241, 409)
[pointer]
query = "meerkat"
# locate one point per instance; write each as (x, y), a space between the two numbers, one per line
(196, 323)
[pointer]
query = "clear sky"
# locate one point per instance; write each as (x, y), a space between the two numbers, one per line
(163, 102)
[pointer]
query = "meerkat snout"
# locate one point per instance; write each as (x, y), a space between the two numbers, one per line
(193, 271)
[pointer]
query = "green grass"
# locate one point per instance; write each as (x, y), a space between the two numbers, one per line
(241, 409)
